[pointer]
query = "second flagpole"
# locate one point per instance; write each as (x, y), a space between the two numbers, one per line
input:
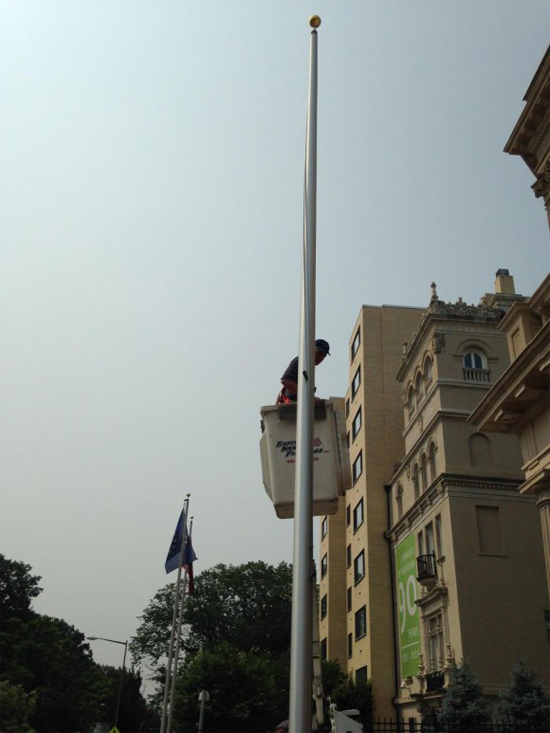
(300, 716)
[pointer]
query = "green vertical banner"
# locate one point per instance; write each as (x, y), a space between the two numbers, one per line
(409, 616)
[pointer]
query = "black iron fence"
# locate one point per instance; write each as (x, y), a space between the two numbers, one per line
(387, 725)
(426, 566)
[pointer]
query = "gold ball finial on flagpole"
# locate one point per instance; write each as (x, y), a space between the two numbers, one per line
(315, 21)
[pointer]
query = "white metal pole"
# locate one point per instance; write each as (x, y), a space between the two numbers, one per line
(301, 644)
(174, 617)
(178, 634)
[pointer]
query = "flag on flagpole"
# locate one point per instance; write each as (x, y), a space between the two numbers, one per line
(189, 558)
(172, 559)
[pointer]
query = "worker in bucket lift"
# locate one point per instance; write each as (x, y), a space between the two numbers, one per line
(289, 380)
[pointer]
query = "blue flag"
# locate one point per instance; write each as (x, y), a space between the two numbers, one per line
(172, 559)
(189, 558)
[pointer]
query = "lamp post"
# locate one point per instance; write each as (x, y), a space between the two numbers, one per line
(125, 644)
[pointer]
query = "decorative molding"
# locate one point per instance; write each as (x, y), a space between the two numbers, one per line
(438, 342)
(541, 187)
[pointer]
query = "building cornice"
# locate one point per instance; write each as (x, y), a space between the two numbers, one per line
(525, 380)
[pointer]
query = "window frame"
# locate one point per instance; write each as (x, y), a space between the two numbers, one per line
(360, 614)
(355, 430)
(357, 524)
(348, 556)
(356, 382)
(324, 565)
(356, 577)
(324, 527)
(323, 606)
(354, 474)
(355, 344)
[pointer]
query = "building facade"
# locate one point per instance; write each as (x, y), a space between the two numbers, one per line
(426, 559)
(519, 402)
(468, 568)
(356, 622)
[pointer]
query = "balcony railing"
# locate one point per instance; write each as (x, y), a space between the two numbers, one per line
(476, 375)
(435, 681)
(426, 568)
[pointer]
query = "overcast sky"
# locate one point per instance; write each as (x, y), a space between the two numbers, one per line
(150, 232)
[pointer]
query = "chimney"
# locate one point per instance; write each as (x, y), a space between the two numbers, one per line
(504, 283)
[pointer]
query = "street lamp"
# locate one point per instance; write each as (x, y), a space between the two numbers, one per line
(125, 644)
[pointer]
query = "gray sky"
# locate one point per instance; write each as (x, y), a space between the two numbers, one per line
(150, 233)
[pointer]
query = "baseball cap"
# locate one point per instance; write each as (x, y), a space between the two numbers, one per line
(322, 345)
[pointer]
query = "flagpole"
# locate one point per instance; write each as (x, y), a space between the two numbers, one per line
(178, 635)
(300, 718)
(174, 616)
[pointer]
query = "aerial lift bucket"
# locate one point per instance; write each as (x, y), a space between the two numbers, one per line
(331, 468)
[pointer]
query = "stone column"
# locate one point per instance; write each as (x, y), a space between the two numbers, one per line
(544, 506)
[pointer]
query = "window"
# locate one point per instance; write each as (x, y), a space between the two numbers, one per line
(356, 381)
(430, 549)
(420, 538)
(473, 360)
(361, 676)
(438, 542)
(324, 606)
(348, 556)
(358, 515)
(350, 598)
(357, 469)
(324, 527)
(355, 344)
(488, 528)
(399, 500)
(347, 408)
(324, 565)
(348, 441)
(423, 472)
(359, 567)
(431, 461)
(474, 367)
(418, 385)
(356, 424)
(348, 515)
(361, 623)
(323, 649)
(410, 401)
(350, 645)
(415, 482)
(435, 643)
(428, 371)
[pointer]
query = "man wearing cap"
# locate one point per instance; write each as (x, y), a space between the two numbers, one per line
(282, 727)
(289, 380)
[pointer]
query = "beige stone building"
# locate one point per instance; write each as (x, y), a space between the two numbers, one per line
(530, 138)
(519, 402)
(467, 545)
(434, 554)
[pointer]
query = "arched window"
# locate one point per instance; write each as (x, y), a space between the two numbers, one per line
(431, 462)
(399, 501)
(473, 360)
(474, 366)
(418, 385)
(411, 401)
(415, 482)
(423, 473)
(428, 371)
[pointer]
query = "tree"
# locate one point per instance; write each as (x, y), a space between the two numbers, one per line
(49, 657)
(248, 606)
(463, 706)
(17, 589)
(236, 642)
(132, 711)
(349, 694)
(248, 690)
(524, 703)
(16, 707)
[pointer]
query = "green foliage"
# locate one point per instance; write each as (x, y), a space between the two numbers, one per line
(248, 606)
(333, 676)
(17, 589)
(349, 694)
(132, 710)
(463, 706)
(524, 703)
(16, 707)
(248, 690)
(235, 645)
